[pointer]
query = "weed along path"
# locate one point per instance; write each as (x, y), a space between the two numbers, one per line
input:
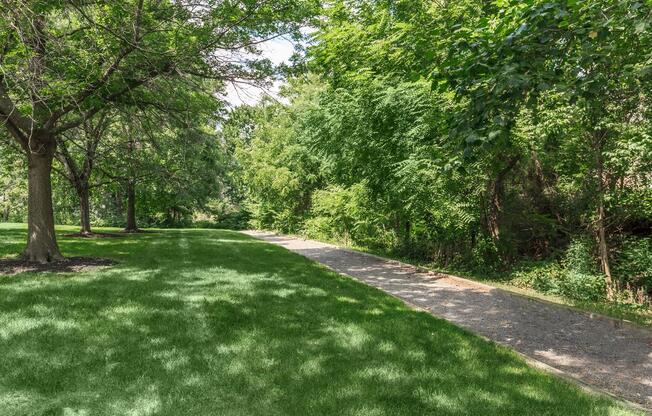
(609, 355)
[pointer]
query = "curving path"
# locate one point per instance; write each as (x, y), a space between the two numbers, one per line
(610, 355)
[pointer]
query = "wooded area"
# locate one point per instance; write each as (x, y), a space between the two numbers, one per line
(506, 137)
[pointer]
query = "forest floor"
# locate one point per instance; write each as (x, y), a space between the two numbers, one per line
(611, 355)
(208, 322)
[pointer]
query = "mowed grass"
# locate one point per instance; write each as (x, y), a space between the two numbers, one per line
(206, 322)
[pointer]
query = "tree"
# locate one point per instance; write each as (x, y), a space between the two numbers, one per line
(167, 155)
(78, 153)
(590, 51)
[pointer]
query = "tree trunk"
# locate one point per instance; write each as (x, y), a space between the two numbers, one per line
(41, 241)
(131, 206)
(5, 214)
(493, 223)
(495, 191)
(84, 209)
(408, 231)
(600, 225)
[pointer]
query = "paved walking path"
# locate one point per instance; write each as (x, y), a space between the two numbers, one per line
(613, 356)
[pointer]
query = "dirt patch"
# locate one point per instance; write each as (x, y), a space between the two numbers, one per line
(93, 235)
(69, 265)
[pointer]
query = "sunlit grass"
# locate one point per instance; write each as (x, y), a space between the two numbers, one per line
(205, 322)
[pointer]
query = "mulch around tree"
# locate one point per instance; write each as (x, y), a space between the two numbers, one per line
(68, 265)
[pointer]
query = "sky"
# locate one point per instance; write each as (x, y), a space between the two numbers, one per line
(278, 51)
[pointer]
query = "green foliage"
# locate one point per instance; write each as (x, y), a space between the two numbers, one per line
(581, 279)
(633, 267)
(542, 276)
(13, 184)
(472, 135)
(580, 256)
(334, 213)
(550, 277)
(484, 257)
(581, 286)
(347, 214)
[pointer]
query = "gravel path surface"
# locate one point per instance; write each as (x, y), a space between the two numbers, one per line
(611, 355)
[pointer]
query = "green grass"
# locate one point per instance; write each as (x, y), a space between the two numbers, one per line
(207, 322)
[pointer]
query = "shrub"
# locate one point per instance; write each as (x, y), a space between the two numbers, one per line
(632, 267)
(347, 214)
(550, 277)
(332, 214)
(580, 257)
(485, 256)
(582, 286)
(542, 276)
(581, 279)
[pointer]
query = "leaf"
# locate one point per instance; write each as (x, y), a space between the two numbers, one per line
(593, 34)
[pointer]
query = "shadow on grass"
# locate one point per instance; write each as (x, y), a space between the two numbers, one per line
(215, 323)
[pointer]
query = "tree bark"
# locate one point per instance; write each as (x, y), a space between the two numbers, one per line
(493, 223)
(41, 241)
(84, 209)
(5, 214)
(131, 206)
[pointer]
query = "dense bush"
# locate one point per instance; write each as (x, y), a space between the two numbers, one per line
(348, 215)
(633, 267)
(550, 277)
(321, 167)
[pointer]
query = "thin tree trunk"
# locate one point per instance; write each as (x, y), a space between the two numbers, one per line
(603, 246)
(131, 206)
(5, 214)
(493, 223)
(408, 231)
(41, 241)
(84, 209)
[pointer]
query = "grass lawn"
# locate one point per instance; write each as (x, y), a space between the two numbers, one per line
(206, 322)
